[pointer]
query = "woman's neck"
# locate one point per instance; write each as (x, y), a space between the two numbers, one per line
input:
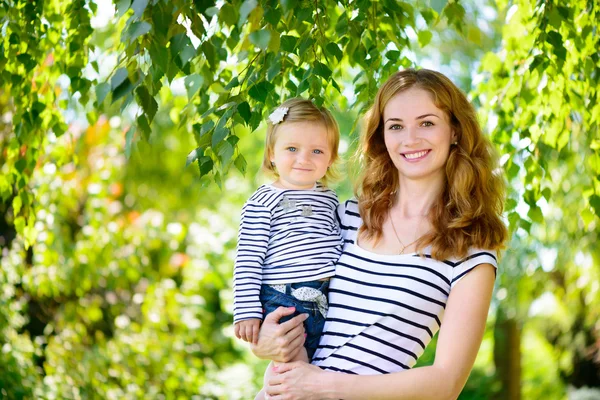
(416, 197)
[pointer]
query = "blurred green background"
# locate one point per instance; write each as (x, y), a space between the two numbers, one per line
(116, 258)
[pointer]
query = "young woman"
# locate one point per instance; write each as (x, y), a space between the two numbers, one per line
(420, 247)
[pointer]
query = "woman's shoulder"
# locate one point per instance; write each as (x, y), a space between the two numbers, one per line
(348, 214)
(474, 257)
(479, 255)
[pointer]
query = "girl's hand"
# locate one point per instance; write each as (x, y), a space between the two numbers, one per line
(295, 381)
(280, 342)
(247, 330)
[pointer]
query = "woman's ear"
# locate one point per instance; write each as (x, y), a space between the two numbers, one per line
(453, 137)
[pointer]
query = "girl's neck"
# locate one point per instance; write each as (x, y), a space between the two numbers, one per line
(416, 197)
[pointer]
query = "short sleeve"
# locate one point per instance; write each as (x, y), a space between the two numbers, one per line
(474, 258)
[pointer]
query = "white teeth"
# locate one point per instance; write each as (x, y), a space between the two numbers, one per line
(415, 155)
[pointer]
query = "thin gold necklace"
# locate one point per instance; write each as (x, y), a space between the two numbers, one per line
(402, 246)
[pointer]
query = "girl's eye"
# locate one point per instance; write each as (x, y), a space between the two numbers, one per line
(317, 151)
(292, 149)
(427, 123)
(395, 127)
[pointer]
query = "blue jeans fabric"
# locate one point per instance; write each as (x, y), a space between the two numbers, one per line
(313, 325)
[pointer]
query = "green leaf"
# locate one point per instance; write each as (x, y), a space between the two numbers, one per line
(595, 203)
(288, 43)
(118, 78)
(129, 141)
(209, 51)
(535, 213)
(136, 30)
(438, 5)
(160, 56)
(120, 84)
(17, 204)
(19, 224)
(233, 83)
(247, 7)
(555, 39)
(241, 164)
(260, 38)
(537, 60)
(225, 152)
(322, 70)
(218, 135)
(228, 14)
(392, 55)
(341, 27)
(510, 204)
(424, 38)
(273, 16)
(260, 91)
(147, 102)
(274, 70)
(244, 110)
(334, 50)
(122, 7)
(193, 156)
(193, 83)
(144, 126)
(102, 90)
(205, 164)
(138, 7)
(305, 44)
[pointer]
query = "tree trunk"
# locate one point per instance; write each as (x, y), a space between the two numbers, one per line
(507, 356)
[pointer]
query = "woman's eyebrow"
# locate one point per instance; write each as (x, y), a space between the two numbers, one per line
(419, 117)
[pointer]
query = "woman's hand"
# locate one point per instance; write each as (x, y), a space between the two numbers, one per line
(295, 381)
(280, 342)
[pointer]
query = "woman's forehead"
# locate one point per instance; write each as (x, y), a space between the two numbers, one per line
(411, 103)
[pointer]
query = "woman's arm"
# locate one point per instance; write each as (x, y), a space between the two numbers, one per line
(458, 343)
(280, 342)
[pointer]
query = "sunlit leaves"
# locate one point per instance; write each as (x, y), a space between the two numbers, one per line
(261, 38)
(135, 30)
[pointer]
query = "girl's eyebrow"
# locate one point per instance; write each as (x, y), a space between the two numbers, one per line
(419, 117)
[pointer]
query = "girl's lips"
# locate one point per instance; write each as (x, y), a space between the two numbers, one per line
(415, 155)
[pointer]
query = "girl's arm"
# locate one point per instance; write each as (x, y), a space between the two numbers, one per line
(458, 343)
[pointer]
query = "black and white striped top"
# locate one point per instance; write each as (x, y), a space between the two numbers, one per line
(384, 309)
(285, 236)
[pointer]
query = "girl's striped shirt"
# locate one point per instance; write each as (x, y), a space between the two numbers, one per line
(384, 309)
(285, 236)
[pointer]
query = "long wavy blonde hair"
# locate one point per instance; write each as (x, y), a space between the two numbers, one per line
(468, 212)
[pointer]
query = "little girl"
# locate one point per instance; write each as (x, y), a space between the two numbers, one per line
(289, 238)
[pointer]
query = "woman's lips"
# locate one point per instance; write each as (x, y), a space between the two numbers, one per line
(415, 155)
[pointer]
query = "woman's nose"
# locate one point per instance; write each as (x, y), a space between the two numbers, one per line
(411, 135)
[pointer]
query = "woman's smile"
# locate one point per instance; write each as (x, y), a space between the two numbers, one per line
(415, 155)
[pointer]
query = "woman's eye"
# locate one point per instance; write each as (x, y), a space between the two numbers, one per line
(395, 127)
(427, 123)
(292, 149)
(317, 151)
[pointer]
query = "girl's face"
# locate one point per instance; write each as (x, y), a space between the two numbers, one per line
(417, 135)
(301, 154)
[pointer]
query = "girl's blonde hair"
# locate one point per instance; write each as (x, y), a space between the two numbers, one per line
(301, 110)
(468, 212)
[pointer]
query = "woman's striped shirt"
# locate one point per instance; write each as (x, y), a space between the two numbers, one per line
(384, 309)
(285, 236)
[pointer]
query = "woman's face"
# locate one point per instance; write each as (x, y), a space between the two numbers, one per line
(417, 135)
